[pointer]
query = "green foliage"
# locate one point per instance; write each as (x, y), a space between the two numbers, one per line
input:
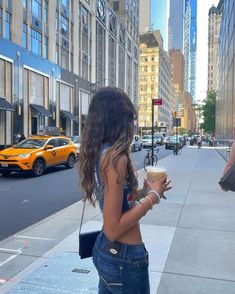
(190, 133)
(208, 112)
(182, 131)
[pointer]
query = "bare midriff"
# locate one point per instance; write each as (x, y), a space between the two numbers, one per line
(133, 236)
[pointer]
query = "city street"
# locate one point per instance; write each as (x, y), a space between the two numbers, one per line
(25, 200)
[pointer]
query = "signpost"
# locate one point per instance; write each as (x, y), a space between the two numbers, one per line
(154, 102)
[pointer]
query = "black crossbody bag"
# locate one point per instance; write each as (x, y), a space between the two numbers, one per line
(87, 239)
(228, 180)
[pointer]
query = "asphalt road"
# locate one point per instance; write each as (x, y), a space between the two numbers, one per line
(25, 200)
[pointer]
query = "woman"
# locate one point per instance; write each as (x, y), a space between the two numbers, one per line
(106, 171)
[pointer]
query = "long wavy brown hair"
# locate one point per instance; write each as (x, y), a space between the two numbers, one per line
(110, 121)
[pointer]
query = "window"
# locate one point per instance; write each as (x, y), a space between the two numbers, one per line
(63, 142)
(57, 54)
(36, 8)
(0, 21)
(24, 3)
(8, 26)
(84, 13)
(116, 5)
(64, 25)
(57, 21)
(65, 58)
(65, 3)
(8, 4)
(24, 35)
(152, 68)
(36, 42)
(53, 142)
(45, 47)
(45, 11)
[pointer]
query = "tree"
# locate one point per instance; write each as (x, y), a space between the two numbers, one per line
(208, 112)
(182, 131)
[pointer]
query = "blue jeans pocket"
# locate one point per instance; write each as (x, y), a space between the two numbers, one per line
(111, 273)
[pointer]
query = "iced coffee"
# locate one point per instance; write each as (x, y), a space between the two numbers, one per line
(155, 173)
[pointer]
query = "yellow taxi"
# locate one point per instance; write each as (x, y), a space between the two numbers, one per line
(37, 153)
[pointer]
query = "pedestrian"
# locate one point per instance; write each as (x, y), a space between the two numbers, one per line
(199, 141)
(22, 137)
(106, 171)
(230, 162)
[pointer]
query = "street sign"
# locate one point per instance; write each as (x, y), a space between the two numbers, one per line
(157, 101)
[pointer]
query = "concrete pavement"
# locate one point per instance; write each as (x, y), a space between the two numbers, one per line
(190, 238)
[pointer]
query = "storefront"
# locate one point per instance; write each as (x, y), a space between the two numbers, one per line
(5, 113)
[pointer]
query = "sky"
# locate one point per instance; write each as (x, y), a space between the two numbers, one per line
(202, 45)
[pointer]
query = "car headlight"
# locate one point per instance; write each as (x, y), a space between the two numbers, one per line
(24, 155)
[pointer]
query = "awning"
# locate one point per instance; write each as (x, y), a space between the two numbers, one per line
(41, 110)
(68, 115)
(5, 105)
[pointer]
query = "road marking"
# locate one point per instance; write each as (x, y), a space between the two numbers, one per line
(8, 259)
(4, 188)
(16, 251)
(34, 238)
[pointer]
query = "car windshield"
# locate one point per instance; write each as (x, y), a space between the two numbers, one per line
(147, 137)
(30, 144)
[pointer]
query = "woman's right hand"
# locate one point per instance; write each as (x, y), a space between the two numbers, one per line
(160, 186)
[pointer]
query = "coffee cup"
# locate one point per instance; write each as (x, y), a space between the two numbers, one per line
(155, 173)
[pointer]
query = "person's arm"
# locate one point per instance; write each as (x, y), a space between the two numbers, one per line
(231, 159)
(116, 223)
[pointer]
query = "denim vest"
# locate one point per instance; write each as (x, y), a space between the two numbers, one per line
(128, 198)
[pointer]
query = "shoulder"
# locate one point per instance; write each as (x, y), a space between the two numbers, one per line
(118, 165)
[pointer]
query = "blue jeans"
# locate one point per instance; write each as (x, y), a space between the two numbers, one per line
(122, 268)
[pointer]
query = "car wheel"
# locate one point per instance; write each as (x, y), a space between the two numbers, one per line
(70, 161)
(5, 173)
(38, 167)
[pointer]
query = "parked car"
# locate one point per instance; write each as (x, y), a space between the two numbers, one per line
(159, 139)
(36, 154)
(77, 142)
(136, 143)
(172, 142)
(147, 141)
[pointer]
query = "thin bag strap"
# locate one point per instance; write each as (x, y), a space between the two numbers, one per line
(83, 210)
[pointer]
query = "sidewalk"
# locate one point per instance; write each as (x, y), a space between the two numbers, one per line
(190, 238)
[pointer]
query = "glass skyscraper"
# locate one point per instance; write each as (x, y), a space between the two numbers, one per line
(154, 16)
(176, 25)
(193, 46)
(159, 18)
(183, 36)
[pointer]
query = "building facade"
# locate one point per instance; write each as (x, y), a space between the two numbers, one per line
(154, 16)
(176, 25)
(225, 102)
(177, 59)
(214, 21)
(53, 54)
(183, 36)
(187, 63)
(193, 47)
(155, 82)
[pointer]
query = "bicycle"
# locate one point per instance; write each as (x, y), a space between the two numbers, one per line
(149, 159)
